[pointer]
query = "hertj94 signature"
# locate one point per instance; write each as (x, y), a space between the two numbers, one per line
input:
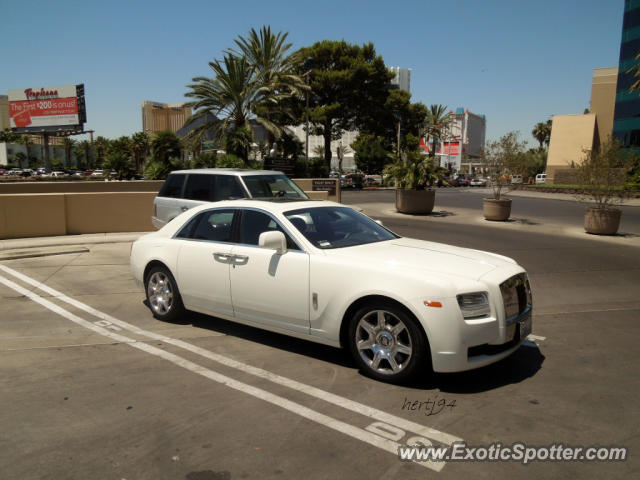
(429, 406)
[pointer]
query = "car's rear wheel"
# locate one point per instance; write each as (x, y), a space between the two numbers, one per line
(386, 342)
(163, 295)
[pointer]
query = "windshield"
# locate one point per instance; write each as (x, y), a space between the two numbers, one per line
(337, 227)
(269, 186)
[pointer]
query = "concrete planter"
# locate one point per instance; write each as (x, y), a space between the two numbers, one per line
(415, 201)
(496, 210)
(602, 221)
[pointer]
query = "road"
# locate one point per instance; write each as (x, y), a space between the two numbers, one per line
(527, 209)
(94, 387)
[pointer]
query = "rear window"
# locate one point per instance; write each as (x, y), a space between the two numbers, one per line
(172, 186)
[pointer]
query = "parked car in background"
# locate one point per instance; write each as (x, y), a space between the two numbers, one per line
(478, 182)
(463, 180)
(57, 173)
(516, 179)
(324, 272)
(185, 189)
(541, 178)
(97, 173)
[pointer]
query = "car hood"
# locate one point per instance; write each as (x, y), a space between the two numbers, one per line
(412, 254)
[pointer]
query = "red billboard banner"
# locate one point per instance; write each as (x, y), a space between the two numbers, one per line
(44, 107)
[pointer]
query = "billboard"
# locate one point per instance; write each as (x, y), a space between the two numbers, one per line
(47, 108)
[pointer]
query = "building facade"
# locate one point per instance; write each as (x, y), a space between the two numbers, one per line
(4, 112)
(402, 79)
(462, 142)
(626, 124)
(158, 117)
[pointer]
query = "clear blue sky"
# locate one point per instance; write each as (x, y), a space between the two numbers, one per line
(518, 62)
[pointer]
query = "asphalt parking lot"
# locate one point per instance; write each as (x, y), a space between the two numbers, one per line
(94, 387)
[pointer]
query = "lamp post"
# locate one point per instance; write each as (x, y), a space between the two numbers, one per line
(307, 66)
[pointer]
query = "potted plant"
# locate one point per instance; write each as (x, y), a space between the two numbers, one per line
(602, 173)
(501, 158)
(412, 176)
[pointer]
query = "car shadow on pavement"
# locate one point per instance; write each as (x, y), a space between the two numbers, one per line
(521, 221)
(524, 363)
(271, 339)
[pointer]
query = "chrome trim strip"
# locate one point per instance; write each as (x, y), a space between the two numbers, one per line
(518, 318)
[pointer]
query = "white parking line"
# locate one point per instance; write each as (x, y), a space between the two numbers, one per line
(345, 428)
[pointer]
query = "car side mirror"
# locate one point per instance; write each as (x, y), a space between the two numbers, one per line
(273, 240)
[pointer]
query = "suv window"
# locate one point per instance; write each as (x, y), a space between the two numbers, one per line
(253, 223)
(268, 186)
(172, 186)
(214, 226)
(212, 188)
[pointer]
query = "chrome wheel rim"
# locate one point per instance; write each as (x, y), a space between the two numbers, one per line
(160, 293)
(383, 342)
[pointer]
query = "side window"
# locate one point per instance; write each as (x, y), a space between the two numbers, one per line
(254, 223)
(187, 230)
(172, 186)
(199, 187)
(214, 225)
(227, 187)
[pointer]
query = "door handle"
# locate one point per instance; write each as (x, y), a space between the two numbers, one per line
(242, 258)
(222, 257)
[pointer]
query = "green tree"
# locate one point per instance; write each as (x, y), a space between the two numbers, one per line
(166, 146)
(437, 121)
(78, 151)
(8, 136)
(28, 143)
(276, 77)
(542, 133)
(349, 85)
(119, 157)
(501, 158)
(139, 146)
(370, 153)
(85, 147)
(20, 159)
(204, 160)
(101, 145)
(68, 144)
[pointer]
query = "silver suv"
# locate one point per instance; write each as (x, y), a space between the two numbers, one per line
(185, 189)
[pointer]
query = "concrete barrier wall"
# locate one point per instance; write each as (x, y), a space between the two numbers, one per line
(81, 186)
(37, 214)
(41, 215)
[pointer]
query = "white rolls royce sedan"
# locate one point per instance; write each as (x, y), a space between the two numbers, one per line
(325, 272)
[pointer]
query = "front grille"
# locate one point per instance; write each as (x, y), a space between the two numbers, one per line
(516, 295)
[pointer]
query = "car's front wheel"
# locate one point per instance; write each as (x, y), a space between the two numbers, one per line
(387, 343)
(163, 295)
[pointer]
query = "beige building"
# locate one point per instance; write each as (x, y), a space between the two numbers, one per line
(158, 117)
(4, 112)
(572, 135)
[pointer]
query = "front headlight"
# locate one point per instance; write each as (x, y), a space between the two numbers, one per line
(474, 305)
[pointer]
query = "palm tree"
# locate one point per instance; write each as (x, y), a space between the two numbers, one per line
(139, 148)
(275, 74)
(86, 147)
(542, 133)
(78, 151)
(249, 83)
(68, 144)
(437, 120)
(101, 146)
(165, 146)
(27, 142)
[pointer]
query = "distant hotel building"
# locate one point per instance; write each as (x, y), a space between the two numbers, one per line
(4, 112)
(158, 117)
(462, 141)
(402, 79)
(626, 122)
(614, 111)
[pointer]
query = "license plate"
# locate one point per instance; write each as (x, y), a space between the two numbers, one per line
(525, 327)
